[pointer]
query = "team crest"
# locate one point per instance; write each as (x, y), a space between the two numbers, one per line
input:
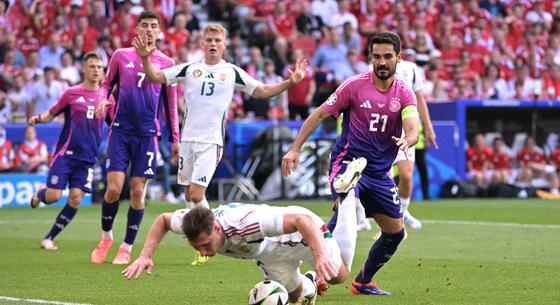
(222, 76)
(395, 104)
(54, 179)
(197, 73)
(331, 100)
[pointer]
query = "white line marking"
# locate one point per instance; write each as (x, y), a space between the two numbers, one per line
(39, 301)
(494, 224)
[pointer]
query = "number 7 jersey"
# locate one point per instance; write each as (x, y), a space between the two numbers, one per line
(208, 93)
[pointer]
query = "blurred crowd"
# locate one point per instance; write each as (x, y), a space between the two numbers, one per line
(486, 49)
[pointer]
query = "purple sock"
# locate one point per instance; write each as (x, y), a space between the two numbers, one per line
(332, 223)
(133, 224)
(108, 213)
(42, 196)
(380, 253)
(62, 220)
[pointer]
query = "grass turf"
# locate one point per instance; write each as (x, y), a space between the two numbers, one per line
(511, 257)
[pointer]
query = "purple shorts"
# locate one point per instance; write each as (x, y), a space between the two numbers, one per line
(75, 173)
(377, 193)
(140, 152)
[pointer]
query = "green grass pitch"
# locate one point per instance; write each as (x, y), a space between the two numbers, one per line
(469, 252)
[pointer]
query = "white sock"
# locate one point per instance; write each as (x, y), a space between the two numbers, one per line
(345, 232)
(309, 288)
(360, 212)
(203, 203)
(554, 191)
(405, 202)
(190, 205)
(127, 246)
(107, 235)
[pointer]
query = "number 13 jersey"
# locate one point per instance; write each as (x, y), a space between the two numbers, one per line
(208, 93)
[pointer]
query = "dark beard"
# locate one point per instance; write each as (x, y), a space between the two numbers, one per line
(386, 76)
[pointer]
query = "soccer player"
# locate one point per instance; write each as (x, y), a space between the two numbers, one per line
(376, 107)
(77, 148)
(134, 135)
(409, 72)
(277, 238)
(209, 88)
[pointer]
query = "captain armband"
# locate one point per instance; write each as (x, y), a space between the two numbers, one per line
(410, 111)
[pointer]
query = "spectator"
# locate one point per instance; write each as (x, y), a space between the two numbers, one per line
(539, 15)
(8, 157)
(478, 161)
(343, 16)
(532, 165)
(307, 24)
(32, 63)
(177, 35)
(45, 92)
(350, 38)
(551, 83)
(49, 55)
(493, 85)
(20, 100)
(277, 105)
(352, 67)
(32, 153)
(494, 7)
(5, 108)
(68, 70)
(193, 50)
(330, 56)
(300, 95)
(193, 23)
(367, 19)
(281, 22)
(324, 9)
(28, 43)
(104, 49)
(531, 87)
(96, 18)
(501, 162)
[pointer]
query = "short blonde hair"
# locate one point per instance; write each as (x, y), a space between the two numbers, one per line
(216, 28)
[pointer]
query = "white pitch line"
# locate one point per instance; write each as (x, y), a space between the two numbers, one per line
(494, 224)
(39, 301)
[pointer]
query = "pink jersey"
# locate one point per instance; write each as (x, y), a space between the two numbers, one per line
(138, 105)
(82, 132)
(371, 118)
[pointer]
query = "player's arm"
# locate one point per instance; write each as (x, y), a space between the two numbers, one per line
(426, 120)
(264, 91)
(107, 86)
(50, 114)
(308, 229)
(291, 158)
(409, 116)
(42, 118)
(156, 234)
(144, 50)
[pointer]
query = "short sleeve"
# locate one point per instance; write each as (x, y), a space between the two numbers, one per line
(408, 97)
(176, 73)
(271, 220)
(244, 81)
(63, 101)
(418, 79)
(177, 221)
(339, 100)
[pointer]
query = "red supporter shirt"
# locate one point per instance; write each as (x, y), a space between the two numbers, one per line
(478, 157)
(525, 156)
(501, 160)
(555, 158)
(297, 94)
(8, 156)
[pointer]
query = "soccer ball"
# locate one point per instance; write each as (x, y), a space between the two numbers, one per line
(268, 292)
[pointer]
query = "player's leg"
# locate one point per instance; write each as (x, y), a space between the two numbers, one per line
(420, 156)
(64, 218)
(143, 165)
(206, 159)
(185, 169)
(406, 172)
(57, 178)
(380, 199)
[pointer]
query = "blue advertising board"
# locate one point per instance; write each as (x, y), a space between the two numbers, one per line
(16, 190)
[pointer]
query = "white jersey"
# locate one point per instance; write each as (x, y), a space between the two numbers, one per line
(208, 93)
(410, 74)
(253, 231)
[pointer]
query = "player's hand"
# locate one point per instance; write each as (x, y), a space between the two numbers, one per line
(403, 145)
(298, 73)
(33, 120)
(137, 267)
(174, 153)
(431, 138)
(324, 268)
(142, 47)
(100, 109)
(290, 162)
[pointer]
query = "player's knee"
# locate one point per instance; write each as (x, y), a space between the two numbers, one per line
(53, 195)
(74, 201)
(137, 192)
(112, 193)
(340, 277)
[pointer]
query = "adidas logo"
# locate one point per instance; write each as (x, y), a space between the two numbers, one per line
(366, 104)
(203, 179)
(129, 65)
(107, 217)
(81, 99)
(149, 171)
(210, 75)
(88, 185)
(134, 227)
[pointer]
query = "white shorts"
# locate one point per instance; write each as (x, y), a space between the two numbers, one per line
(198, 162)
(282, 262)
(411, 155)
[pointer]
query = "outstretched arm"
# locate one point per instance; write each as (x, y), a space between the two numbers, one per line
(155, 236)
(144, 50)
(44, 117)
(310, 232)
(291, 158)
(425, 117)
(264, 91)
